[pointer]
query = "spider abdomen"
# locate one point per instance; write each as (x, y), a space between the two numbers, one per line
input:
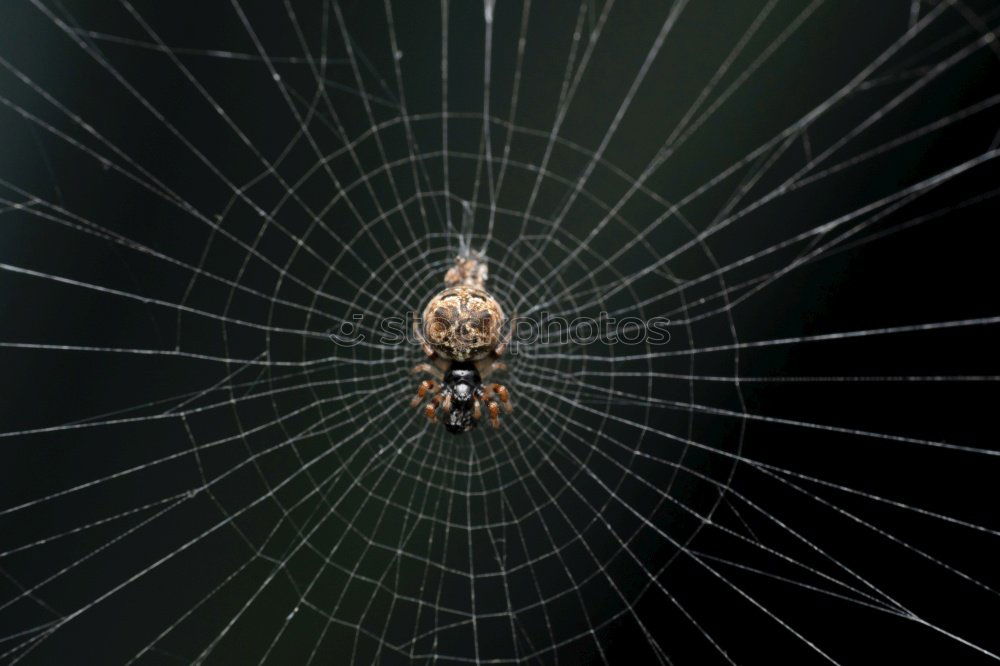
(463, 323)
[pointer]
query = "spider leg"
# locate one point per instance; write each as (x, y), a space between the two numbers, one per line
(504, 396)
(426, 386)
(487, 366)
(491, 405)
(494, 410)
(429, 369)
(431, 387)
(430, 411)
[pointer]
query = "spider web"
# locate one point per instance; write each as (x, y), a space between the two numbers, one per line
(193, 203)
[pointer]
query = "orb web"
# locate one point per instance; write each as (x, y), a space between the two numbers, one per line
(209, 217)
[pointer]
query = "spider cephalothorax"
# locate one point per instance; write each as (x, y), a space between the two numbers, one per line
(461, 333)
(460, 397)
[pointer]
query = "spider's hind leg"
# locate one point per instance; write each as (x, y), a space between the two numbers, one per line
(489, 366)
(434, 371)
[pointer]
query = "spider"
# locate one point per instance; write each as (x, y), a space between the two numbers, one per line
(461, 335)
(457, 396)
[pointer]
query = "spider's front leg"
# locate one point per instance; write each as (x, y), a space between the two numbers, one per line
(494, 411)
(492, 406)
(430, 387)
(430, 411)
(504, 396)
(426, 386)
